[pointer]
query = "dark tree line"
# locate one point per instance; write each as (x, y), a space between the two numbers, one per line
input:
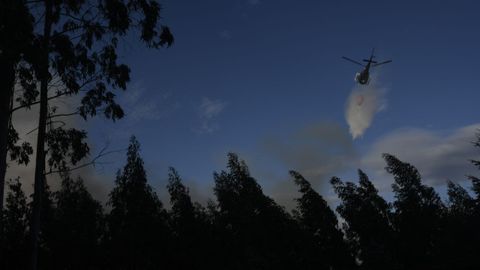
(244, 228)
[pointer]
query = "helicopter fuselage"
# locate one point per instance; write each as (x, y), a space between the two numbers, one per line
(364, 76)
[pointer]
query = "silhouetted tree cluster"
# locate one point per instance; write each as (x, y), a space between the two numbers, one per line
(245, 229)
(52, 49)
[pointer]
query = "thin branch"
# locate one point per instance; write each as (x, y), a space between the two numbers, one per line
(64, 114)
(92, 162)
(36, 102)
(49, 123)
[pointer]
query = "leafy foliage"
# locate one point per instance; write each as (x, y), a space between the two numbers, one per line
(418, 213)
(244, 228)
(78, 218)
(15, 227)
(136, 224)
(367, 222)
(321, 223)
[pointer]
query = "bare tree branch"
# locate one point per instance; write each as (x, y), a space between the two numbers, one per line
(64, 114)
(92, 162)
(49, 123)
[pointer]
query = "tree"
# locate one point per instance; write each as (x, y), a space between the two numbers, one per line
(16, 26)
(418, 214)
(190, 227)
(77, 227)
(458, 242)
(462, 223)
(257, 233)
(137, 234)
(183, 211)
(75, 51)
(475, 180)
(321, 223)
(15, 230)
(367, 222)
(46, 227)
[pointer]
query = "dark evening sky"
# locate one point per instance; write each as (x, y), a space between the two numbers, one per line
(265, 79)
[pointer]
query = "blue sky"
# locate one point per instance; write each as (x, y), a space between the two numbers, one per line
(265, 79)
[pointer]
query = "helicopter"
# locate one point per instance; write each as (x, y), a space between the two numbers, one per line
(363, 77)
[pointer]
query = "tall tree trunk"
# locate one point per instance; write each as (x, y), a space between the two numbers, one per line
(7, 79)
(39, 184)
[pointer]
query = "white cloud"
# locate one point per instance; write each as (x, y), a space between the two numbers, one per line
(362, 105)
(209, 110)
(324, 150)
(437, 156)
(225, 34)
(254, 2)
(140, 105)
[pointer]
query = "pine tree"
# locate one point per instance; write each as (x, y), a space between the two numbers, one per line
(137, 234)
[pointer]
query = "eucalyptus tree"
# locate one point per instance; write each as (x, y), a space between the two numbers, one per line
(137, 232)
(75, 52)
(321, 224)
(256, 232)
(15, 227)
(417, 217)
(16, 34)
(368, 222)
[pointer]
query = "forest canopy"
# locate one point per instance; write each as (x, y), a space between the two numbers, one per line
(243, 228)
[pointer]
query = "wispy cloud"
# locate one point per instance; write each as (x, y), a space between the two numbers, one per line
(225, 34)
(140, 105)
(208, 111)
(254, 2)
(437, 156)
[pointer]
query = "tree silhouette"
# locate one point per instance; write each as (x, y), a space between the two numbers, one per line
(137, 234)
(73, 50)
(77, 227)
(15, 230)
(16, 26)
(418, 213)
(367, 222)
(321, 223)
(190, 227)
(475, 180)
(458, 243)
(244, 228)
(258, 234)
(46, 227)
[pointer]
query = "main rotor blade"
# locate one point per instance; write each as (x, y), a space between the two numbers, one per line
(353, 61)
(381, 63)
